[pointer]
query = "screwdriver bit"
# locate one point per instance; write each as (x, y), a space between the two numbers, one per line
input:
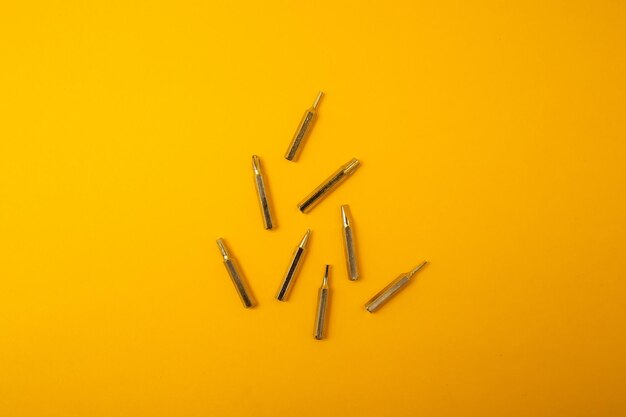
(322, 304)
(240, 285)
(294, 266)
(348, 243)
(262, 193)
(327, 186)
(303, 131)
(392, 289)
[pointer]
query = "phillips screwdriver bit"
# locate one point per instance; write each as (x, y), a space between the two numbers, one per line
(303, 131)
(392, 289)
(348, 243)
(294, 266)
(262, 193)
(327, 186)
(240, 285)
(322, 304)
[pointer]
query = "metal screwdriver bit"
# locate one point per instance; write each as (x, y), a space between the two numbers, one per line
(327, 186)
(294, 266)
(240, 285)
(262, 193)
(392, 289)
(322, 304)
(348, 243)
(303, 131)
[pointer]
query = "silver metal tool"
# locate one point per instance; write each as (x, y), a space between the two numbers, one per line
(262, 193)
(303, 131)
(348, 243)
(240, 285)
(294, 266)
(327, 186)
(392, 289)
(322, 307)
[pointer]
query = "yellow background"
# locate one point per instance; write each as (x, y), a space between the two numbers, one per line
(492, 136)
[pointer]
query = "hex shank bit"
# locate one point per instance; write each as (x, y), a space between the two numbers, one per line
(392, 289)
(348, 243)
(339, 176)
(240, 285)
(261, 192)
(303, 130)
(322, 307)
(294, 266)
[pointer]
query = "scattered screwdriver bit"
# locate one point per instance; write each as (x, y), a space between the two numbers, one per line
(392, 289)
(322, 304)
(262, 193)
(294, 266)
(240, 285)
(348, 243)
(303, 131)
(328, 185)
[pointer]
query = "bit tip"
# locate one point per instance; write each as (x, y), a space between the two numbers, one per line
(317, 99)
(222, 246)
(305, 239)
(351, 166)
(345, 215)
(326, 274)
(256, 165)
(416, 269)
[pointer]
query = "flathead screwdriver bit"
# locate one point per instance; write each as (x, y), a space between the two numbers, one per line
(303, 131)
(348, 243)
(261, 192)
(294, 266)
(392, 289)
(332, 182)
(240, 285)
(322, 307)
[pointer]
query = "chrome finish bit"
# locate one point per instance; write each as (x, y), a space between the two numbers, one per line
(240, 285)
(392, 289)
(262, 193)
(303, 131)
(348, 243)
(294, 266)
(322, 304)
(327, 186)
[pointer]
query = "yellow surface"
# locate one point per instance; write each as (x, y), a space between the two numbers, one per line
(492, 137)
